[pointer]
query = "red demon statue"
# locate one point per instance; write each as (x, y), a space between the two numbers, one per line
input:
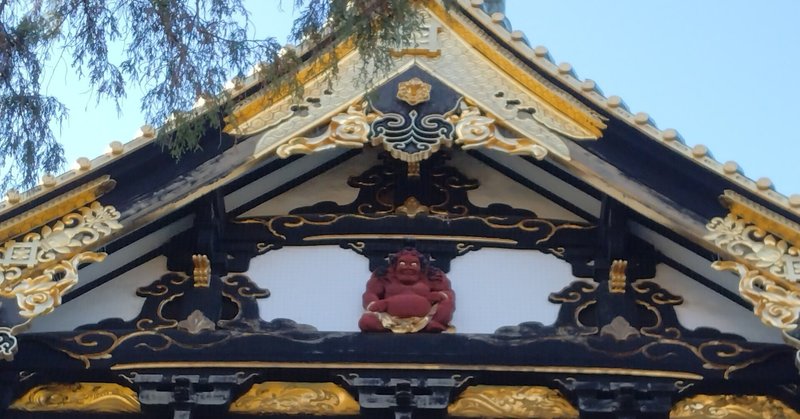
(407, 296)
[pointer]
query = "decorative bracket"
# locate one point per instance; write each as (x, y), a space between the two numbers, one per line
(755, 238)
(402, 395)
(38, 268)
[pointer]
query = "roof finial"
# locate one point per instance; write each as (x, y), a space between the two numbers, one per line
(493, 6)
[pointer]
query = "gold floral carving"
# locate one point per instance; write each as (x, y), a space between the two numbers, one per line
(775, 302)
(29, 266)
(79, 397)
(346, 130)
(511, 402)
(412, 207)
(414, 91)
(619, 329)
(196, 323)
(474, 130)
(732, 407)
(616, 277)
(296, 398)
(764, 265)
(37, 269)
(202, 270)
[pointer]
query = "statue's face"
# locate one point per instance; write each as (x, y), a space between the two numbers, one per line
(408, 269)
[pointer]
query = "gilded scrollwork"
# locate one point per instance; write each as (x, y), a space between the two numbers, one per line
(79, 397)
(484, 401)
(38, 268)
(346, 130)
(732, 406)
(775, 302)
(296, 398)
(475, 130)
(763, 262)
(751, 244)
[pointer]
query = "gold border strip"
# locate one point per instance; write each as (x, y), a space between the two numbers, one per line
(761, 216)
(56, 207)
(409, 236)
(273, 94)
(375, 366)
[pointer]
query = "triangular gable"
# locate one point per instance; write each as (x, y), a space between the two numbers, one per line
(617, 212)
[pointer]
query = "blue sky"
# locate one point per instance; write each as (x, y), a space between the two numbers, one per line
(724, 73)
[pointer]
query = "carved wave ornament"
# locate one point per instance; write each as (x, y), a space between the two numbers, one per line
(79, 397)
(511, 402)
(767, 264)
(290, 398)
(731, 406)
(413, 136)
(38, 268)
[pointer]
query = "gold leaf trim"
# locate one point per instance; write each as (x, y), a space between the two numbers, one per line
(79, 397)
(511, 402)
(731, 406)
(276, 397)
(64, 203)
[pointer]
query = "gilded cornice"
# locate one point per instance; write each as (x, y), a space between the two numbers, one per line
(79, 397)
(291, 398)
(731, 407)
(758, 244)
(511, 402)
(56, 207)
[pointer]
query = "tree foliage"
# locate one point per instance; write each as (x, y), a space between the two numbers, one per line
(175, 50)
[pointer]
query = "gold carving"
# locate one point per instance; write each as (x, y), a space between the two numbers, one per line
(296, 398)
(475, 130)
(619, 329)
(759, 215)
(511, 402)
(732, 407)
(414, 91)
(39, 268)
(764, 264)
(412, 207)
(346, 130)
(50, 210)
(202, 270)
(196, 323)
(775, 302)
(29, 266)
(616, 277)
(79, 397)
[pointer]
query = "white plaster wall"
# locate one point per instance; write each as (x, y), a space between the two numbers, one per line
(328, 186)
(115, 298)
(496, 188)
(503, 287)
(703, 307)
(322, 286)
(317, 285)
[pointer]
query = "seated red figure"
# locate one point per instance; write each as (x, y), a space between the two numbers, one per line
(407, 296)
